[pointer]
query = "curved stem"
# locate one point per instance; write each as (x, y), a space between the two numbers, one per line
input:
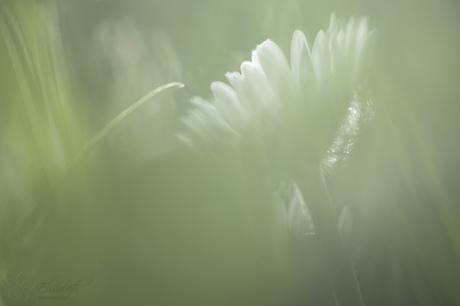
(115, 121)
(340, 268)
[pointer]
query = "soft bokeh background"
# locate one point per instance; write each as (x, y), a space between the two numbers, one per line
(152, 227)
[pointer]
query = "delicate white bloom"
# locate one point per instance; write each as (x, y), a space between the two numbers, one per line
(269, 94)
(287, 113)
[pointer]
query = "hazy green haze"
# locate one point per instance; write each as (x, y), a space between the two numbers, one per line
(143, 220)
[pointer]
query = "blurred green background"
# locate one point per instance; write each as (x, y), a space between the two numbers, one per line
(152, 227)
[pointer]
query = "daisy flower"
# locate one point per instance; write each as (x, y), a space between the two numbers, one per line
(281, 119)
(290, 112)
(292, 123)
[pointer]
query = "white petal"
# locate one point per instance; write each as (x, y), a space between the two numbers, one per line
(301, 65)
(321, 58)
(333, 24)
(349, 34)
(205, 121)
(235, 79)
(252, 88)
(273, 62)
(228, 105)
(359, 47)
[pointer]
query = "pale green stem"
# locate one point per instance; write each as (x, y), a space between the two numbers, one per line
(115, 121)
(340, 269)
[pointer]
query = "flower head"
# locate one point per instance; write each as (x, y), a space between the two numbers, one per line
(291, 111)
(281, 118)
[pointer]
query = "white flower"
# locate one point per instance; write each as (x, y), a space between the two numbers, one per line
(301, 104)
(283, 115)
